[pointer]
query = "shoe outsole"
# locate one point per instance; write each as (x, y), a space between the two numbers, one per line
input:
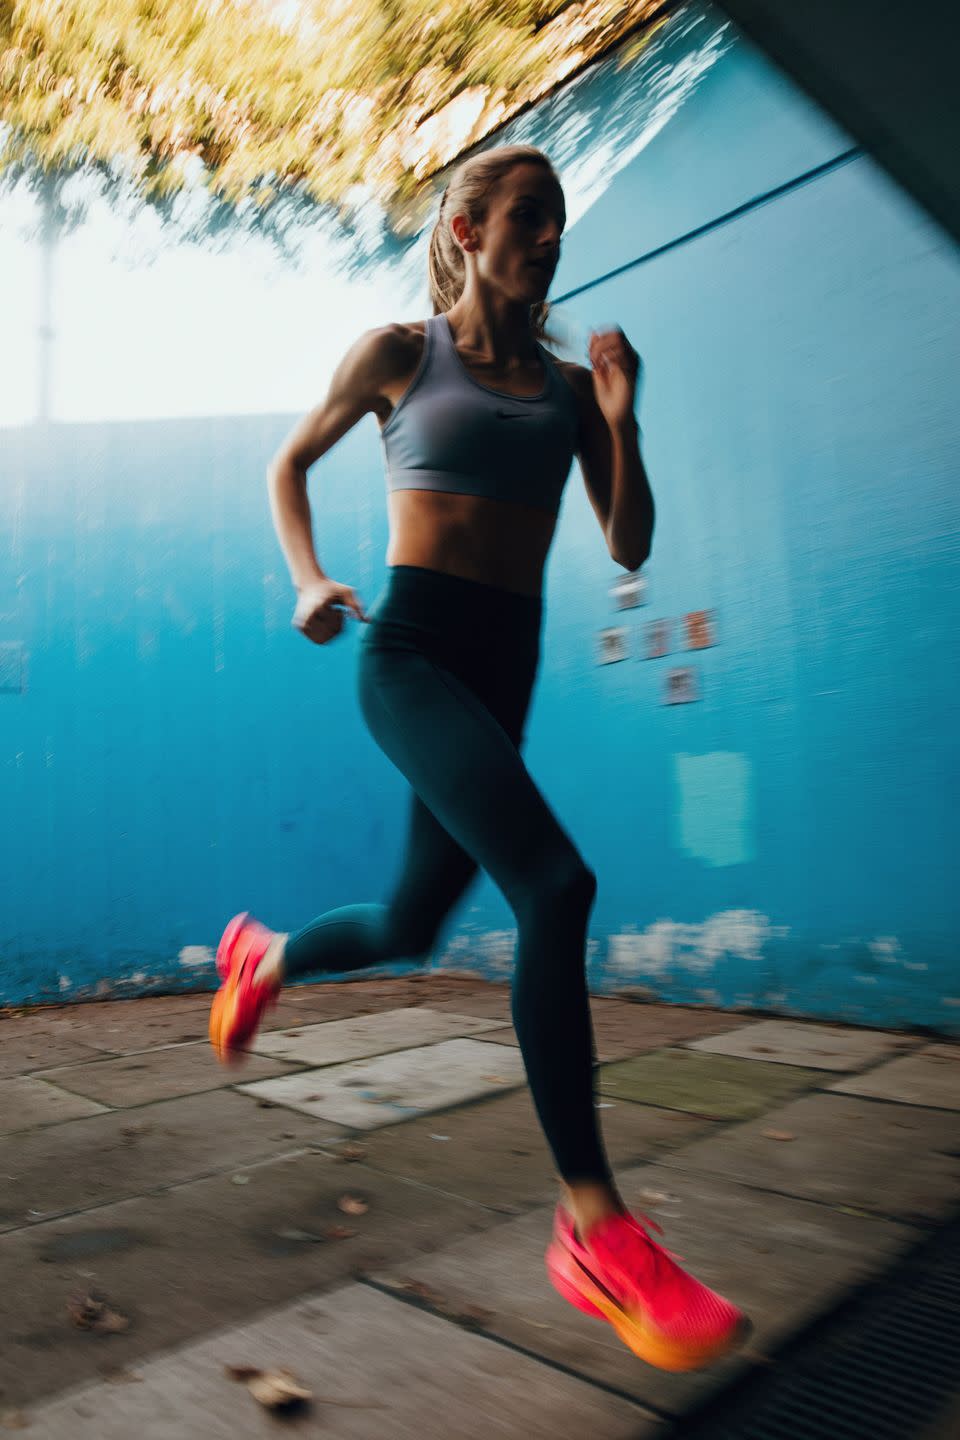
(229, 1047)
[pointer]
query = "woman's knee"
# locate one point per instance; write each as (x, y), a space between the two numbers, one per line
(565, 886)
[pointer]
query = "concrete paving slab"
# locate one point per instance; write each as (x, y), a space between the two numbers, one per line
(115, 1026)
(26, 1102)
(786, 1261)
(378, 1369)
(622, 1028)
(818, 1047)
(335, 1041)
(493, 1151)
(931, 1077)
(114, 1156)
(158, 1074)
(487, 1002)
(889, 1159)
(180, 1023)
(21, 1054)
(196, 1257)
(365, 1094)
(716, 1086)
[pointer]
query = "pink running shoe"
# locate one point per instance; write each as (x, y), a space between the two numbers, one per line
(659, 1311)
(239, 1004)
(561, 1266)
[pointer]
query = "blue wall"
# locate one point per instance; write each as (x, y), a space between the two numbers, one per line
(178, 752)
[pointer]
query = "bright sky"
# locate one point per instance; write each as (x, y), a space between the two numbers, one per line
(146, 329)
(189, 332)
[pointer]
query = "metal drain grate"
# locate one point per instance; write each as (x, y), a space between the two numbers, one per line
(884, 1370)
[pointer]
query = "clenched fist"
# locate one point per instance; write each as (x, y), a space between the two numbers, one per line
(320, 609)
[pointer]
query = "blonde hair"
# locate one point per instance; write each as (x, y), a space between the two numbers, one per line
(468, 193)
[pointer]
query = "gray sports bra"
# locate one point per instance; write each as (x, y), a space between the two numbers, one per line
(449, 432)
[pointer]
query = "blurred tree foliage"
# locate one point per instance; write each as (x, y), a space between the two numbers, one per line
(271, 107)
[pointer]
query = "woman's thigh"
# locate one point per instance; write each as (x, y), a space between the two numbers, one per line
(463, 765)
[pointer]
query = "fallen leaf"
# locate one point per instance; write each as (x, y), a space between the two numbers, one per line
(338, 1232)
(778, 1135)
(91, 1312)
(274, 1389)
(352, 1151)
(352, 1205)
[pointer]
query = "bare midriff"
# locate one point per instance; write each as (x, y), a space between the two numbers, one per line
(493, 541)
(497, 542)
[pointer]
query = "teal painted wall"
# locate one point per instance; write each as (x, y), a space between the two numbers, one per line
(171, 751)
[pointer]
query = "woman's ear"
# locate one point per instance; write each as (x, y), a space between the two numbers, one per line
(464, 232)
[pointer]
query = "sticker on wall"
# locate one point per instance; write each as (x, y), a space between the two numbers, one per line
(700, 627)
(629, 591)
(612, 645)
(656, 639)
(681, 686)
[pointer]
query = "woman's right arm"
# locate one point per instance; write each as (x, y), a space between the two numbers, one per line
(355, 389)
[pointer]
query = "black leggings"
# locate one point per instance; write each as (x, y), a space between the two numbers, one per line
(446, 671)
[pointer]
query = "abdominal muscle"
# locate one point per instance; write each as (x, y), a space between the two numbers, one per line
(497, 542)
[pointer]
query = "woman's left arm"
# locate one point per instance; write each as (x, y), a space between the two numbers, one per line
(609, 448)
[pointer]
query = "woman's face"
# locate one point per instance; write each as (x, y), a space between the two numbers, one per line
(520, 237)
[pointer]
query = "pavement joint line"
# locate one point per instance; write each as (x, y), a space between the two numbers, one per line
(644, 1407)
(910, 1222)
(50, 1216)
(879, 1100)
(804, 1064)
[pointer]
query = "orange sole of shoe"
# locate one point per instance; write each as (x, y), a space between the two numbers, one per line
(653, 1348)
(222, 1015)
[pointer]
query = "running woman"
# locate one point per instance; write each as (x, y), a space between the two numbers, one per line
(479, 426)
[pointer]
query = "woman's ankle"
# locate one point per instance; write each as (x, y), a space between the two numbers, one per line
(270, 970)
(590, 1202)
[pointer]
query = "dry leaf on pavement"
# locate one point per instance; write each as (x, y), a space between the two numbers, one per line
(275, 1389)
(352, 1205)
(778, 1135)
(352, 1151)
(91, 1312)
